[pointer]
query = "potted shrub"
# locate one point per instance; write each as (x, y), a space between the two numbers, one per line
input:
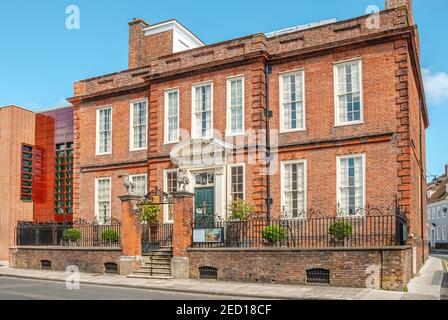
(110, 236)
(239, 212)
(274, 234)
(150, 214)
(71, 236)
(341, 231)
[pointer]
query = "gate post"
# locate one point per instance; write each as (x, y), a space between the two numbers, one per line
(182, 234)
(131, 228)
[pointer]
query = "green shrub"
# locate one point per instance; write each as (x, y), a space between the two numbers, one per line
(71, 235)
(340, 230)
(110, 235)
(240, 210)
(274, 233)
(150, 212)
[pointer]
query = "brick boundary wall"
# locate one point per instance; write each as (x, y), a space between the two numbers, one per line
(349, 267)
(90, 260)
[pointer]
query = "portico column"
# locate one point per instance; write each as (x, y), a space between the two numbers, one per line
(220, 191)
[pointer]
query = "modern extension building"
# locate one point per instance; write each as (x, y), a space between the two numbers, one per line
(438, 211)
(36, 169)
(342, 102)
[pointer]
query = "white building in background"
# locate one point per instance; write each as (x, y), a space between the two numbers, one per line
(438, 211)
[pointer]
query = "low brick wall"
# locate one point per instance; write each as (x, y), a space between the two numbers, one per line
(349, 267)
(89, 260)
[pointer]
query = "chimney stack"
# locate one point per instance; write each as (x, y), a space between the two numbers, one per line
(393, 4)
(136, 27)
(446, 170)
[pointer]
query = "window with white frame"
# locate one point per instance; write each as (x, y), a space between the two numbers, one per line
(103, 200)
(235, 103)
(171, 116)
(438, 233)
(294, 188)
(292, 97)
(444, 233)
(139, 118)
(171, 186)
(202, 110)
(237, 182)
(140, 184)
(348, 92)
(104, 131)
(351, 185)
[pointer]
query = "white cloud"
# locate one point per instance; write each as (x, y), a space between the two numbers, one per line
(436, 86)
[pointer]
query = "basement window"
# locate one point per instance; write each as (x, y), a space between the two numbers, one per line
(208, 273)
(111, 268)
(318, 276)
(45, 265)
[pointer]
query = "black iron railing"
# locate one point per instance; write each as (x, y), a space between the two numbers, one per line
(156, 236)
(68, 235)
(359, 231)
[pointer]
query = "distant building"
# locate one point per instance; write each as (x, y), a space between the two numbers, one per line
(438, 211)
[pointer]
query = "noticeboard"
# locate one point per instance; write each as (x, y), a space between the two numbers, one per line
(208, 235)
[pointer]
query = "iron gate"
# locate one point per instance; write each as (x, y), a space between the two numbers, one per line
(154, 234)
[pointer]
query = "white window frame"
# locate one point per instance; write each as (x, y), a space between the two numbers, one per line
(444, 233)
(166, 122)
(96, 198)
(337, 64)
(165, 188)
(364, 184)
(131, 125)
(133, 176)
(438, 233)
(97, 133)
(229, 132)
(193, 115)
(229, 180)
(281, 107)
(305, 183)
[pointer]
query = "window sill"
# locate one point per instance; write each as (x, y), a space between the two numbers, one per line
(292, 130)
(103, 154)
(166, 143)
(346, 124)
(136, 150)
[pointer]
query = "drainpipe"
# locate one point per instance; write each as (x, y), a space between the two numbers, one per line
(422, 200)
(268, 114)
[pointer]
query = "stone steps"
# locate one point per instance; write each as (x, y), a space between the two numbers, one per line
(155, 265)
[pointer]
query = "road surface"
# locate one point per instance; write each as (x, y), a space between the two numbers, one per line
(24, 289)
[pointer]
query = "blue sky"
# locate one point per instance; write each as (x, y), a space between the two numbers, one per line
(40, 58)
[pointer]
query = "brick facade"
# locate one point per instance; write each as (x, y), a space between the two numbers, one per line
(90, 260)
(348, 267)
(392, 135)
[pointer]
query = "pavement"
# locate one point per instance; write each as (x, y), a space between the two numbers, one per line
(426, 286)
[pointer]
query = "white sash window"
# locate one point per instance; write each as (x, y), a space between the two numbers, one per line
(172, 116)
(348, 88)
(202, 109)
(294, 189)
(292, 101)
(351, 185)
(104, 131)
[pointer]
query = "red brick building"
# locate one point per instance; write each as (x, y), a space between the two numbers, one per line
(343, 101)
